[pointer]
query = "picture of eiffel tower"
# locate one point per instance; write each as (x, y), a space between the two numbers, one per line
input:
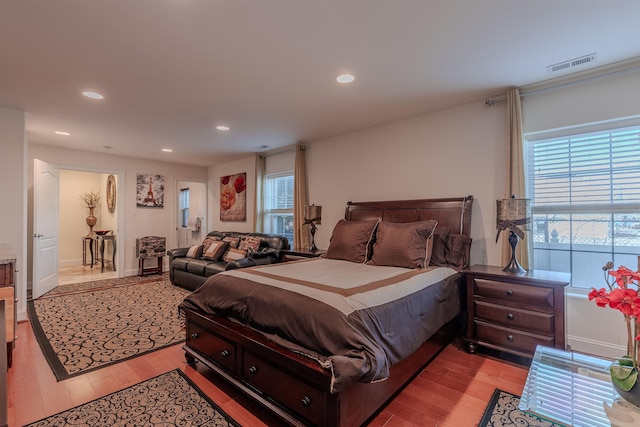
(150, 191)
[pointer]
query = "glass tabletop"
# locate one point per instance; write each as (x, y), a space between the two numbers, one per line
(568, 388)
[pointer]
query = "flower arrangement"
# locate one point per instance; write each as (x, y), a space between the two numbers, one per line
(91, 199)
(623, 295)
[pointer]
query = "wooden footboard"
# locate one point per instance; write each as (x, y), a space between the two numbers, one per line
(293, 387)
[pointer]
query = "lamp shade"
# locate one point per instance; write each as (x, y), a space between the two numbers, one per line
(313, 213)
(513, 215)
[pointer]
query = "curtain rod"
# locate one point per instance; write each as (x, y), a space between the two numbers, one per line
(282, 150)
(490, 101)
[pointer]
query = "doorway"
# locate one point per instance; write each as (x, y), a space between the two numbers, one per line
(191, 225)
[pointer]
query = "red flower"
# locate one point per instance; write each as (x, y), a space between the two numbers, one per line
(225, 179)
(600, 296)
(239, 184)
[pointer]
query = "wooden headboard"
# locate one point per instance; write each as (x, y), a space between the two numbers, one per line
(453, 213)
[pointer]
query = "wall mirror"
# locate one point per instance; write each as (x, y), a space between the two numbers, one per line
(111, 193)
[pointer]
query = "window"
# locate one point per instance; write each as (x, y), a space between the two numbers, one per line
(184, 206)
(585, 192)
(278, 201)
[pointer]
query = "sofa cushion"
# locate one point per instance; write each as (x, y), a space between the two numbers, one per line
(215, 251)
(196, 266)
(250, 243)
(214, 267)
(194, 251)
(234, 254)
(180, 263)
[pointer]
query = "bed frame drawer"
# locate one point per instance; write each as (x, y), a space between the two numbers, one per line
(295, 395)
(213, 346)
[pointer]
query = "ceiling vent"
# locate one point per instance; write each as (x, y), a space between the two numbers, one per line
(576, 62)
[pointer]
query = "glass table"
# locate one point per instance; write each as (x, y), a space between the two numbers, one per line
(574, 389)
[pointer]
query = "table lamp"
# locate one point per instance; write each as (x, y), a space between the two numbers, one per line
(312, 216)
(513, 215)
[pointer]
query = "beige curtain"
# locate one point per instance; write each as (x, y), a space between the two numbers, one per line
(300, 199)
(258, 216)
(515, 173)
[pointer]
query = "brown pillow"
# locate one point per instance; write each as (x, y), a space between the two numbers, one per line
(233, 241)
(215, 251)
(441, 247)
(403, 244)
(207, 242)
(460, 251)
(234, 254)
(250, 243)
(194, 251)
(351, 240)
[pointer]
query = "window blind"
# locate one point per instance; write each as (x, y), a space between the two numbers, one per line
(585, 172)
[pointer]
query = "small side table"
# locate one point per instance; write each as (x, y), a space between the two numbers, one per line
(150, 247)
(88, 240)
(291, 254)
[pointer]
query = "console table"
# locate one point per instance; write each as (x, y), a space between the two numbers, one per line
(100, 239)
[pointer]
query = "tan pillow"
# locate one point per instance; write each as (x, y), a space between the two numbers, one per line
(403, 244)
(207, 242)
(351, 240)
(215, 251)
(194, 251)
(234, 254)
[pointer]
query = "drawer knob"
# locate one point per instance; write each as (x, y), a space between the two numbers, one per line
(509, 292)
(253, 370)
(510, 316)
(509, 337)
(224, 354)
(306, 402)
(194, 335)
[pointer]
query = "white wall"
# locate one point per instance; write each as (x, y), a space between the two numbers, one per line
(134, 222)
(13, 193)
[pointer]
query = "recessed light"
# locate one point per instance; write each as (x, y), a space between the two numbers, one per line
(93, 95)
(167, 150)
(345, 78)
(222, 127)
(59, 132)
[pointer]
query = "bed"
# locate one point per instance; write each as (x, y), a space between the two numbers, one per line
(375, 327)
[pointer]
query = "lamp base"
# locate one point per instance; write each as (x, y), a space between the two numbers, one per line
(514, 266)
(312, 244)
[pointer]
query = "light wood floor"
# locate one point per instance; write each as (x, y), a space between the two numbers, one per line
(452, 391)
(84, 273)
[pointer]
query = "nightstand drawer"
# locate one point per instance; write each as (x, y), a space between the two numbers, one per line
(505, 337)
(504, 291)
(515, 318)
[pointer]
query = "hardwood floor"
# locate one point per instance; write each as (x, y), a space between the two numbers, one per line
(84, 273)
(452, 391)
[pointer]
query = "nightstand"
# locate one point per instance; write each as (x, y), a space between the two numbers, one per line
(291, 254)
(514, 313)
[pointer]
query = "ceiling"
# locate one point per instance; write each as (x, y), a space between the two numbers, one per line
(172, 70)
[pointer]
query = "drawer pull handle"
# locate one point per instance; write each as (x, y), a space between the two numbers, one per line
(509, 292)
(253, 370)
(194, 335)
(510, 316)
(509, 337)
(306, 402)
(224, 354)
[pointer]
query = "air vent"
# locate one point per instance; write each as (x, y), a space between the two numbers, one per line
(576, 62)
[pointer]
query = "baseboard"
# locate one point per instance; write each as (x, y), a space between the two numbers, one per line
(597, 348)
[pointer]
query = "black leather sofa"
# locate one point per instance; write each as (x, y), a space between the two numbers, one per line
(189, 273)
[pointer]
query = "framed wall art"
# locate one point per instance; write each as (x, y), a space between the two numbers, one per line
(233, 197)
(150, 191)
(111, 194)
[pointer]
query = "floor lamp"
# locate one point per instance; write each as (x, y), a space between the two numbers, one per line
(312, 216)
(513, 215)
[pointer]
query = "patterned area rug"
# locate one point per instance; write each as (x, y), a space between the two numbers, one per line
(170, 399)
(502, 411)
(85, 329)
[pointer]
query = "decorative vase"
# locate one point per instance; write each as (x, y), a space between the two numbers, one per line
(624, 378)
(91, 220)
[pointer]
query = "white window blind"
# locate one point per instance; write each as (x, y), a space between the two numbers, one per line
(585, 190)
(279, 204)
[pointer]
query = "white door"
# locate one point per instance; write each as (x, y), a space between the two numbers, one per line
(45, 227)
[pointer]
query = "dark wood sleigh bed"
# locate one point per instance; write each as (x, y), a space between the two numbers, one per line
(296, 388)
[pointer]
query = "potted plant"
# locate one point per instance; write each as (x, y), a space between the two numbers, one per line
(623, 295)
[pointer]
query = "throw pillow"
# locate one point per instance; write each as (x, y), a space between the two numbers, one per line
(234, 254)
(351, 240)
(403, 244)
(441, 246)
(194, 251)
(460, 250)
(215, 251)
(233, 241)
(207, 242)
(250, 243)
